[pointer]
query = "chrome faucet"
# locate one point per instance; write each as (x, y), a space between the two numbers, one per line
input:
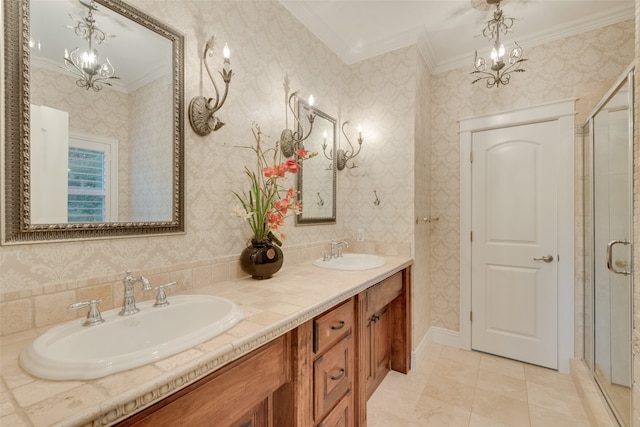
(129, 305)
(336, 248)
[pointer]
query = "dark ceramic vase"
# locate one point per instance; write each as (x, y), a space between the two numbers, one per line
(261, 259)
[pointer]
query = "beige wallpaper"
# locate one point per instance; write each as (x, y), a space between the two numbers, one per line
(103, 114)
(150, 170)
(213, 164)
(387, 92)
(582, 67)
(409, 157)
(422, 202)
(380, 94)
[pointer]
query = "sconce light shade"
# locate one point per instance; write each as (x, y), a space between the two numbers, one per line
(202, 109)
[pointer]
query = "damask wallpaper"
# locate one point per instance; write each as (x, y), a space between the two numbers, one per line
(409, 158)
(58, 90)
(581, 67)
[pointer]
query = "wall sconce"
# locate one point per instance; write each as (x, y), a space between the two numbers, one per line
(290, 140)
(92, 74)
(201, 109)
(343, 156)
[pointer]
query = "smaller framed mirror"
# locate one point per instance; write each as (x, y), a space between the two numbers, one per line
(317, 181)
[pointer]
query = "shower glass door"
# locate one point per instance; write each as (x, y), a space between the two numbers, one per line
(609, 307)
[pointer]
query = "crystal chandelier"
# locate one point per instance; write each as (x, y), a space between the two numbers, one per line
(91, 74)
(499, 73)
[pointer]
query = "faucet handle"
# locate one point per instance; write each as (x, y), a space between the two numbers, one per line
(161, 297)
(93, 316)
(146, 286)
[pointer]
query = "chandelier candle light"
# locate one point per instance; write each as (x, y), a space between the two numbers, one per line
(500, 72)
(92, 74)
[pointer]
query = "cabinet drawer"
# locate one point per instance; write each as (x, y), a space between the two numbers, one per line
(341, 415)
(383, 293)
(332, 376)
(332, 326)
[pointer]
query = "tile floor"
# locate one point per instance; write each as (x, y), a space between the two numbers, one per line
(453, 387)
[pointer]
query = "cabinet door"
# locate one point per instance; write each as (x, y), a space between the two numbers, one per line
(256, 417)
(232, 396)
(341, 415)
(379, 349)
(381, 345)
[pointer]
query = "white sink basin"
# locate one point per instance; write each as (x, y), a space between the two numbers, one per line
(352, 262)
(72, 351)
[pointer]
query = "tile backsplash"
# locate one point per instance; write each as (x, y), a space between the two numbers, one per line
(45, 306)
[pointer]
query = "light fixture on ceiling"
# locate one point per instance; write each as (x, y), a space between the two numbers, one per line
(289, 140)
(499, 73)
(91, 74)
(201, 109)
(343, 156)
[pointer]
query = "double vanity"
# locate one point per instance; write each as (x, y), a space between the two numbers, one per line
(305, 348)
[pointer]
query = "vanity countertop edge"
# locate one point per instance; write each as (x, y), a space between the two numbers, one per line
(110, 399)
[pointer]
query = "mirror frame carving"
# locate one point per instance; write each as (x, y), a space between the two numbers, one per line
(16, 214)
(300, 219)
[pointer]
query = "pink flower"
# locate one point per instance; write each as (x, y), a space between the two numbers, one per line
(269, 172)
(282, 205)
(276, 220)
(302, 153)
(292, 166)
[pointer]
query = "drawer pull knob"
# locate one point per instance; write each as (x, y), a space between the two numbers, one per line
(338, 326)
(339, 376)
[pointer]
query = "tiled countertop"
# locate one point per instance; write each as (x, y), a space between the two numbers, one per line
(272, 307)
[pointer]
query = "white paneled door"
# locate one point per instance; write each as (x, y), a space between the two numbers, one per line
(514, 223)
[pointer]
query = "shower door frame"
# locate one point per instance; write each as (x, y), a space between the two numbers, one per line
(589, 322)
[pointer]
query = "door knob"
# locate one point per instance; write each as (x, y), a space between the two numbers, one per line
(546, 258)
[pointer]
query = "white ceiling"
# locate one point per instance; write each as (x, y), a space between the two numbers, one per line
(446, 31)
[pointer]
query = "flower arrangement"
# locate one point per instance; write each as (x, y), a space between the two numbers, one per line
(266, 204)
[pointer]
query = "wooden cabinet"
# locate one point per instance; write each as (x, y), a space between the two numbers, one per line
(334, 365)
(384, 316)
(378, 329)
(237, 395)
(341, 415)
(319, 374)
(379, 349)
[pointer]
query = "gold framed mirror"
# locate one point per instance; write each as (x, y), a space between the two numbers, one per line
(317, 180)
(53, 126)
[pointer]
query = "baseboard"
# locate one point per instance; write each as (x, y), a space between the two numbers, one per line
(434, 335)
(592, 400)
